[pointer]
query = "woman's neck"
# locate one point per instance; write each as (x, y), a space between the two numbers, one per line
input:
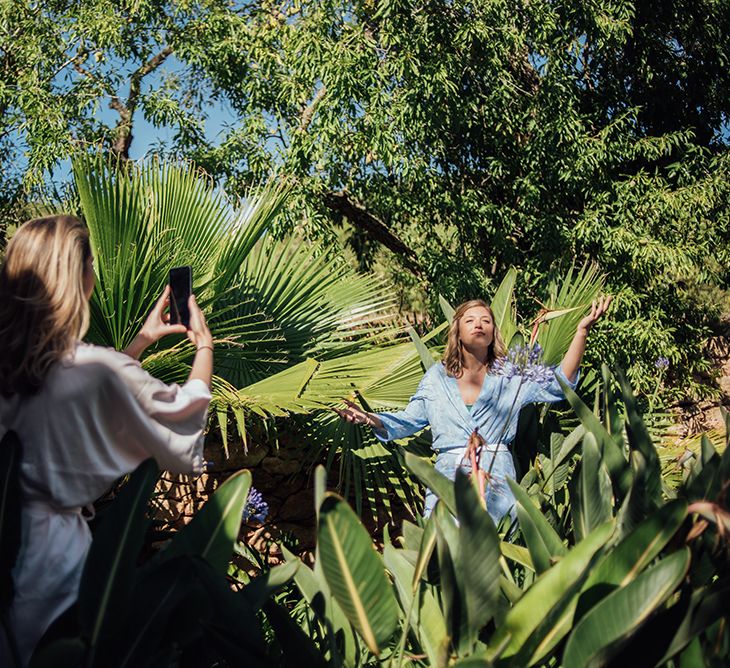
(475, 360)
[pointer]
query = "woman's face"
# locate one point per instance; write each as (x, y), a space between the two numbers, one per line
(89, 278)
(476, 327)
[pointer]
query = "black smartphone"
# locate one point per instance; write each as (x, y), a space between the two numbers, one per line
(181, 287)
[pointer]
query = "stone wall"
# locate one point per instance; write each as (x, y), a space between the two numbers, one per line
(282, 475)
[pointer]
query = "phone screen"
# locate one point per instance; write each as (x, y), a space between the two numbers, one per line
(181, 287)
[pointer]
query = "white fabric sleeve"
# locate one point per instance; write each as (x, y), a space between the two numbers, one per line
(168, 421)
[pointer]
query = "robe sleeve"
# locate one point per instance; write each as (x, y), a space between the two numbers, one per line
(168, 421)
(409, 421)
(550, 390)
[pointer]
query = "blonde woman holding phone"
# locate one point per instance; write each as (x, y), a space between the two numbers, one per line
(85, 415)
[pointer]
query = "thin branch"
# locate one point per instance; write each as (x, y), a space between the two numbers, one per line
(126, 109)
(342, 203)
(308, 112)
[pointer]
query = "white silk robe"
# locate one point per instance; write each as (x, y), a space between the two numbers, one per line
(97, 417)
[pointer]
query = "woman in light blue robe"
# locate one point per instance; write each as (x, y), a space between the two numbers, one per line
(439, 403)
(473, 396)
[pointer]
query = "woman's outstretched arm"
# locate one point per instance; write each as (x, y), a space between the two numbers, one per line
(391, 426)
(571, 362)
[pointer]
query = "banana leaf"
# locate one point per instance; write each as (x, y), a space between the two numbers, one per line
(355, 573)
(597, 634)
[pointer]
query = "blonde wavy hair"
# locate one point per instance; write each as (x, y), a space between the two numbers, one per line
(453, 358)
(43, 308)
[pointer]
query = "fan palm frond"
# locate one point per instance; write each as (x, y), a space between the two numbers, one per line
(573, 295)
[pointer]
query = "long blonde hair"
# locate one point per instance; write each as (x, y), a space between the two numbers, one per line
(453, 358)
(43, 308)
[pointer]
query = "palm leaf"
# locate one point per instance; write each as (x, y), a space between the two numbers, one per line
(573, 296)
(503, 306)
(595, 637)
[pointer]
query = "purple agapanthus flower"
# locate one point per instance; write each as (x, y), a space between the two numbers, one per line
(256, 508)
(661, 363)
(524, 361)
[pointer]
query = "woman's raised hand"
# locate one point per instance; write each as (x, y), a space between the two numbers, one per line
(201, 337)
(158, 323)
(198, 333)
(155, 327)
(353, 413)
(598, 308)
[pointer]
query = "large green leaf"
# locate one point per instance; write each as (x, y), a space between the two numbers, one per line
(451, 582)
(592, 501)
(316, 592)
(214, 529)
(518, 554)
(637, 550)
(623, 611)
(438, 483)
(543, 542)
(106, 583)
(706, 607)
(640, 440)
(423, 352)
(547, 591)
(426, 620)
(617, 568)
(637, 505)
(478, 555)
(355, 573)
(262, 587)
(503, 306)
(425, 549)
(611, 444)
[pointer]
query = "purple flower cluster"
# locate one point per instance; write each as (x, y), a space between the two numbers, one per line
(524, 361)
(256, 508)
(661, 363)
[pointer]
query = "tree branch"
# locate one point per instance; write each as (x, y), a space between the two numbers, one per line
(308, 112)
(376, 229)
(126, 109)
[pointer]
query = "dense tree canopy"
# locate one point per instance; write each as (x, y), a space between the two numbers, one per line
(456, 138)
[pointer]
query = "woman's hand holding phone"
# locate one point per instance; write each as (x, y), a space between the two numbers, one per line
(198, 333)
(158, 325)
(201, 337)
(155, 327)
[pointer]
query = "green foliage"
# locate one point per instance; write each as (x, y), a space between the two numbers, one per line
(177, 607)
(458, 594)
(351, 567)
(467, 139)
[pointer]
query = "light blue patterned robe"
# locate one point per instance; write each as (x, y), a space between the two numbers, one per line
(438, 403)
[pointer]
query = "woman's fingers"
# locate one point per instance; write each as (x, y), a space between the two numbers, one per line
(603, 305)
(353, 413)
(162, 301)
(197, 319)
